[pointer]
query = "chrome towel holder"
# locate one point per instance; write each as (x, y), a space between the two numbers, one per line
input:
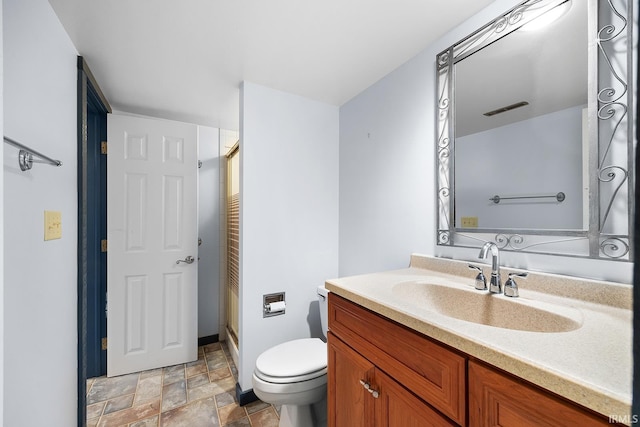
(26, 156)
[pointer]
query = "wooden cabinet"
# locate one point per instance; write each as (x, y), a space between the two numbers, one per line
(403, 371)
(360, 395)
(350, 402)
(398, 407)
(382, 374)
(497, 399)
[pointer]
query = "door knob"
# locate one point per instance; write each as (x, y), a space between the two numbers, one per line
(187, 260)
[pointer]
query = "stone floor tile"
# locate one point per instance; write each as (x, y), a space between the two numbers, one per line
(201, 413)
(207, 390)
(200, 368)
(265, 418)
(234, 370)
(174, 395)
(224, 399)
(218, 374)
(196, 368)
(107, 388)
(172, 374)
(151, 373)
(95, 410)
(148, 388)
(149, 422)
(242, 422)
(119, 403)
(89, 384)
(198, 381)
(216, 360)
(231, 413)
(212, 347)
(126, 416)
(256, 406)
(188, 394)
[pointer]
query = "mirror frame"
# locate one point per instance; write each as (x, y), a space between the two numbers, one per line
(609, 104)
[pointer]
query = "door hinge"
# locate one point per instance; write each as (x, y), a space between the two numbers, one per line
(103, 147)
(104, 343)
(103, 245)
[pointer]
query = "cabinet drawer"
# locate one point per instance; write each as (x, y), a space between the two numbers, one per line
(430, 371)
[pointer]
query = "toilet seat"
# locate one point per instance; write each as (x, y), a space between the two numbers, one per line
(293, 361)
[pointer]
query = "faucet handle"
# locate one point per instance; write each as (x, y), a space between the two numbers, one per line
(511, 287)
(481, 281)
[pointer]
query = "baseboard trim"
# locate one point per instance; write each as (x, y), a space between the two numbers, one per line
(208, 340)
(245, 397)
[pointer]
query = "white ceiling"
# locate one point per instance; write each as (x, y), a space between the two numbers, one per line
(185, 59)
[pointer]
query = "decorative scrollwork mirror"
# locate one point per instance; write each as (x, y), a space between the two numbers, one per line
(535, 131)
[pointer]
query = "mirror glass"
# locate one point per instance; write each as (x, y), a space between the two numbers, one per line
(519, 124)
(534, 136)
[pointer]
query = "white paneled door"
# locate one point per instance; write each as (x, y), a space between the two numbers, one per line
(152, 187)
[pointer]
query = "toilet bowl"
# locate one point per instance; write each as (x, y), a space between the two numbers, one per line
(294, 374)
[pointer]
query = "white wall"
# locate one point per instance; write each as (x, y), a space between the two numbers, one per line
(209, 232)
(288, 215)
(387, 176)
(40, 278)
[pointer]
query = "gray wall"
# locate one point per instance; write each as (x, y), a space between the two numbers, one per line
(40, 278)
(209, 232)
(542, 155)
(288, 215)
(1, 220)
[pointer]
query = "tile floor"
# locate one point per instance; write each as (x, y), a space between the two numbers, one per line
(196, 394)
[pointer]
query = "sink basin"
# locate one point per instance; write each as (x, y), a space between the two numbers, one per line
(488, 309)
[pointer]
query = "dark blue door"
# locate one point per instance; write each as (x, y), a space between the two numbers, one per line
(96, 221)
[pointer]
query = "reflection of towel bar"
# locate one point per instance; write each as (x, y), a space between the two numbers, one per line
(559, 197)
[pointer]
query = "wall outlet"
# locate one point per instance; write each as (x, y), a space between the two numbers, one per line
(469, 222)
(52, 225)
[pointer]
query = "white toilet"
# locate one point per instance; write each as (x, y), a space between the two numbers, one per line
(294, 374)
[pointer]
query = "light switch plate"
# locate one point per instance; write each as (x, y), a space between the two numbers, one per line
(469, 222)
(52, 225)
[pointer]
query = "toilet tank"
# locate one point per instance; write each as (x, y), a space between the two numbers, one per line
(323, 299)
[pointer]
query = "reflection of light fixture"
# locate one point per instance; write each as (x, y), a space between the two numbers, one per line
(548, 17)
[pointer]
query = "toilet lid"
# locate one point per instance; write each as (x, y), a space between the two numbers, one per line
(293, 358)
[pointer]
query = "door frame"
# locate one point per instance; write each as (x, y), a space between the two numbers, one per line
(88, 92)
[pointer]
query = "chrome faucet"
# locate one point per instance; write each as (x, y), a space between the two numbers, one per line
(511, 287)
(495, 285)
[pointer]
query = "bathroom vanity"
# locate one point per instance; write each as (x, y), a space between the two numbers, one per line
(402, 354)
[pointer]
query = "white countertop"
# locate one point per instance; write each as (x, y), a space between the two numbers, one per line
(591, 365)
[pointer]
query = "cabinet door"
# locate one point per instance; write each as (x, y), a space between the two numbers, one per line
(496, 399)
(432, 372)
(398, 407)
(349, 403)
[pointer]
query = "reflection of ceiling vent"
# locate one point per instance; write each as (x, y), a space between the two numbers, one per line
(507, 108)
